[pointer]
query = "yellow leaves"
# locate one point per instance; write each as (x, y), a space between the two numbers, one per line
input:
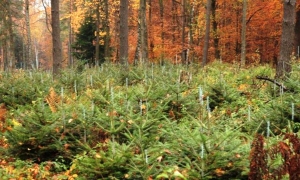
(130, 122)
(98, 156)
(159, 159)
(16, 123)
(143, 106)
(243, 87)
(89, 92)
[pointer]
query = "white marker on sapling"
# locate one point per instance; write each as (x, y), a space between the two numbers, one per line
(293, 111)
(200, 95)
(268, 129)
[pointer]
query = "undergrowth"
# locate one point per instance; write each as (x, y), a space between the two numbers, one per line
(151, 122)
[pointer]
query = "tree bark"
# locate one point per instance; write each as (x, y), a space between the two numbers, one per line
(162, 35)
(207, 31)
(28, 49)
(124, 32)
(141, 53)
(107, 31)
(56, 42)
(97, 46)
(243, 37)
(297, 34)
(70, 50)
(183, 20)
(284, 67)
(215, 29)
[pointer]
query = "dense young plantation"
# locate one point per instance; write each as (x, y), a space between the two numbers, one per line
(152, 122)
(149, 89)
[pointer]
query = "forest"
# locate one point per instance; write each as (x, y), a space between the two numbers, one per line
(149, 89)
(173, 30)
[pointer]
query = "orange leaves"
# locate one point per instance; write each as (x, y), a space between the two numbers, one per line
(53, 99)
(261, 156)
(3, 112)
(219, 172)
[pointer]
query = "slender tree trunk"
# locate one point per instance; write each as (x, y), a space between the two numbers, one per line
(1, 58)
(297, 34)
(97, 46)
(28, 49)
(142, 46)
(191, 32)
(215, 29)
(144, 31)
(207, 31)
(150, 34)
(56, 42)
(284, 67)
(107, 31)
(5, 56)
(174, 17)
(162, 35)
(183, 34)
(36, 50)
(243, 37)
(124, 32)
(70, 56)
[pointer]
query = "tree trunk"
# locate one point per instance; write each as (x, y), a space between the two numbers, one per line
(28, 49)
(36, 51)
(215, 29)
(70, 56)
(207, 31)
(297, 34)
(97, 46)
(284, 67)
(141, 53)
(150, 31)
(162, 35)
(56, 42)
(243, 37)
(9, 64)
(191, 33)
(183, 48)
(107, 31)
(124, 32)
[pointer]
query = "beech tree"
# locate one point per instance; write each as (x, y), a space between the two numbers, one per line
(141, 54)
(284, 67)
(243, 36)
(124, 32)
(207, 31)
(28, 49)
(56, 42)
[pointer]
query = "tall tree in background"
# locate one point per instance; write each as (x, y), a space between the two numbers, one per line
(28, 49)
(215, 29)
(207, 31)
(124, 32)
(56, 42)
(141, 53)
(97, 44)
(243, 36)
(8, 38)
(70, 36)
(183, 33)
(107, 31)
(284, 67)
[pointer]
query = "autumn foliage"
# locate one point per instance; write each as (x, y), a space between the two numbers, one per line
(175, 30)
(260, 156)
